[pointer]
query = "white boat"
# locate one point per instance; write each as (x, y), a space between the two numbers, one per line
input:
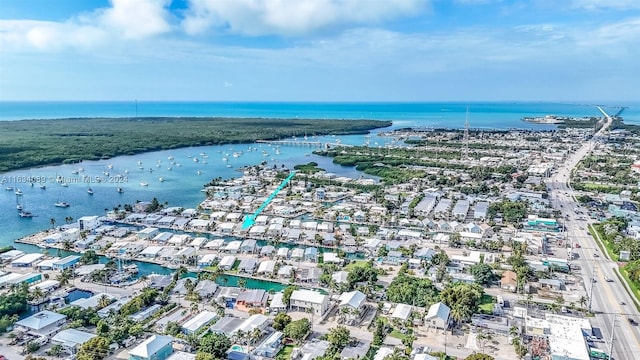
(142, 183)
(62, 204)
(19, 207)
(161, 179)
(9, 188)
(198, 172)
(195, 160)
(229, 165)
(18, 192)
(64, 184)
(170, 158)
(43, 187)
(25, 214)
(120, 190)
(90, 191)
(110, 166)
(169, 168)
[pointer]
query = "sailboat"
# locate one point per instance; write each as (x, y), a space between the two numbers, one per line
(90, 191)
(62, 204)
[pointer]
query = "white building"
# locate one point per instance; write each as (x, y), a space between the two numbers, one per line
(307, 299)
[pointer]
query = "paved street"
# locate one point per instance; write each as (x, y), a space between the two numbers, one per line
(608, 296)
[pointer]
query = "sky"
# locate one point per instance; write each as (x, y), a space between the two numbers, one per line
(320, 50)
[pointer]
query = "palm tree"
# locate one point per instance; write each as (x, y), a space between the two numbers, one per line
(195, 307)
(104, 301)
(242, 283)
(52, 221)
(255, 335)
(583, 301)
(64, 277)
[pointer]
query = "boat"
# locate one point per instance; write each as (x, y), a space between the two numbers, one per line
(62, 204)
(19, 207)
(90, 191)
(229, 165)
(131, 269)
(150, 170)
(142, 183)
(161, 179)
(25, 214)
(170, 158)
(43, 187)
(199, 172)
(9, 188)
(119, 190)
(195, 160)
(18, 192)
(64, 184)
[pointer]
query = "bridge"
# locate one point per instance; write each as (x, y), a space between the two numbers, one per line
(303, 143)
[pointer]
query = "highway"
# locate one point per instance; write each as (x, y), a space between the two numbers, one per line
(610, 302)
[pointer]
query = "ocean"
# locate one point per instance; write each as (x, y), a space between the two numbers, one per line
(183, 178)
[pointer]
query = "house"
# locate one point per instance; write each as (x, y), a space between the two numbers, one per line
(248, 246)
(394, 258)
(480, 211)
(28, 260)
(311, 350)
(311, 254)
(340, 277)
(71, 339)
(226, 263)
(270, 346)
(357, 351)
(353, 301)
(307, 299)
(199, 321)
(43, 323)
(156, 347)
(438, 316)
(277, 304)
(509, 281)
(233, 247)
(402, 312)
(247, 265)
(267, 267)
(88, 223)
(67, 262)
(256, 298)
(206, 288)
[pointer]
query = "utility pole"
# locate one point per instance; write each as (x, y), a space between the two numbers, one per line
(613, 326)
(591, 294)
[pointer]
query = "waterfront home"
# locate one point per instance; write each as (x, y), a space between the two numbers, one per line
(297, 254)
(214, 244)
(226, 228)
(43, 323)
(282, 253)
(207, 260)
(182, 287)
(71, 339)
(267, 267)
(248, 246)
(309, 274)
(438, 316)
(247, 266)
(302, 300)
(206, 288)
(184, 256)
(27, 260)
(285, 272)
(88, 223)
(156, 347)
(162, 237)
(340, 277)
(256, 298)
(46, 286)
(66, 263)
(394, 258)
(295, 224)
(332, 258)
(293, 235)
(151, 252)
(147, 233)
(255, 321)
(53, 238)
(275, 229)
(179, 239)
(311, 254)
(270, 347)
(198, 322)
(91, 302)
(257, 231)
(152, 219)
(226, 263)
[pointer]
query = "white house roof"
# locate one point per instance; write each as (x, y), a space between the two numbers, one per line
(402, 312)
(27, 259)
(41, 320)
(195, 323)
(310, 296)
(151, 346)
(151, 250)
(267, 266)
(72, 337)
(438, 310)
(355, 299)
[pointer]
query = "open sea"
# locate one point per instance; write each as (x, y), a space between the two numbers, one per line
(184, 177)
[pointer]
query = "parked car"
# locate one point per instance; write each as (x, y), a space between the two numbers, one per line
(632, 322)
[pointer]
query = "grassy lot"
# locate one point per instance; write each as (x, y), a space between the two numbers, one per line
(285, 352)
(355, 264)
(486, 304)
(397, 334)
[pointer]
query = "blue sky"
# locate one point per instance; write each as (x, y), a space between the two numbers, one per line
(320, 50)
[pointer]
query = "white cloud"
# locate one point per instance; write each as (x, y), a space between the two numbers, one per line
(292, 17)
(606, 4)
(135, 19)
(125, 19)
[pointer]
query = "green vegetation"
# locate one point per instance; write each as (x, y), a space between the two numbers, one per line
(308, 168)
(412, 290)
(31, 143)
(512, 211)
(611, 231)
(285, 353)
(297, 330)
(631, 274)
(13, 304)
(486, 304)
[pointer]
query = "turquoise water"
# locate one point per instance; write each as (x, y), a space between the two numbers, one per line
(230, 280)
(183, 182)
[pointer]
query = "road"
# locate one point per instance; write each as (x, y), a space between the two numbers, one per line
(609, 301)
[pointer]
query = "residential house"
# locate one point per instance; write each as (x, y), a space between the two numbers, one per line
(308, 299)
(438, 316)
(156, 347)
(43, 323)
(247, 266)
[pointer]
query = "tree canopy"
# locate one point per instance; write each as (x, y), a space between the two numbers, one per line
(408, 289)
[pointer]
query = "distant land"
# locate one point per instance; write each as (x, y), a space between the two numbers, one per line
(32, 143)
